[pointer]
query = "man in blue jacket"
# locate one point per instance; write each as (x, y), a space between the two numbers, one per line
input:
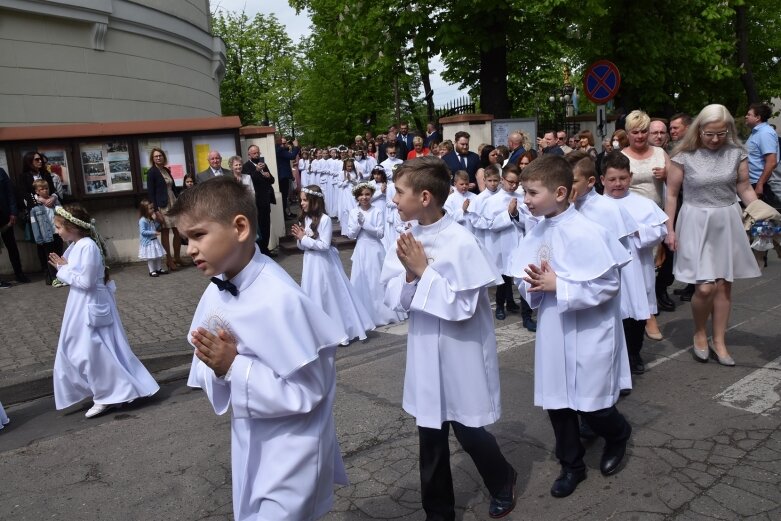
(462, 159)
(284, 171)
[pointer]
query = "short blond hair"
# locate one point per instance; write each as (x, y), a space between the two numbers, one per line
(637, 120)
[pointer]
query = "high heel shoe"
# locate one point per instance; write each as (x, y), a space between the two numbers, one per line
(700, 355)
(654, 335)
(723, 360)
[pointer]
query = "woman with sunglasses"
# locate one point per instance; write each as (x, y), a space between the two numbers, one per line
(709, 241)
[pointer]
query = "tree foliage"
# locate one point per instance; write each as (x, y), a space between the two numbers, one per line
(370, 61)
(260, 69)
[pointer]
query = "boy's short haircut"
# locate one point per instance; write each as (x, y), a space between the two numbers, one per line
(219, 200)
(426, 173)
(492, 171)
(551, 170)
(40, 183)
(616, 160)
(463, 175)
(581, 162)
(391, 144)
(511, 168)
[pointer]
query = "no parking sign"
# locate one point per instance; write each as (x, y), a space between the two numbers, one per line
(601, 81)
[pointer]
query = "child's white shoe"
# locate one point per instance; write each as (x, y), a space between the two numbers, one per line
(98, 409)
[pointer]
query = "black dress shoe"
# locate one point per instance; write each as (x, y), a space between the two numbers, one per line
(566, 483)
(22, 278)
(612, 456)
(512, 307)
(636, 365)
(500, 314)
(624, 392)
(664, 302)
(504, 502)
(530, 324)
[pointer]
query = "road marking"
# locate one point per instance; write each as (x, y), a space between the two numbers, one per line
(757, 392)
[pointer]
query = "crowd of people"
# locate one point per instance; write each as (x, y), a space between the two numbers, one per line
(591, 241)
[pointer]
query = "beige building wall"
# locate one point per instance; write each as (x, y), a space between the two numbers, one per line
(89, 61)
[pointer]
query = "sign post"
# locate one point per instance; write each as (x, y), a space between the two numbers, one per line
(600, 84)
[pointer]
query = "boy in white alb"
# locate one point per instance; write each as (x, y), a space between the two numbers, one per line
(279, 385)
(651, 231)
(392, 161)
(459, 199)
(439, 274)
(569, 270)
(474, 210)
(502, 238)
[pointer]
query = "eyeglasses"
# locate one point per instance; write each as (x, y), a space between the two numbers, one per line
(711, 135)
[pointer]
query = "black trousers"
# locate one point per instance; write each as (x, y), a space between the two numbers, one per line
(43, 257)
(665, 277)
(504, 297)
(634, 331)
(436, 481)
(9, 240)
(284, 189)
(264, 228)
(608, 423)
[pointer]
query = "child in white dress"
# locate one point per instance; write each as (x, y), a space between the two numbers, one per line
(280, 387)
(149, 247)
(459, 199)
(568, 268)
(474, 210)
(323, 277)
(440, 275)
(3, 417)
(346, 200)
(651, 230)
(365, 224)
(93, 356)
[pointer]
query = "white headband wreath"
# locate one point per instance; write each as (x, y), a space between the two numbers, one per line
(312, 192)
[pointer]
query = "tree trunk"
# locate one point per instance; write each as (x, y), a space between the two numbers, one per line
(746, 76)
(428, 92)
(493, 73)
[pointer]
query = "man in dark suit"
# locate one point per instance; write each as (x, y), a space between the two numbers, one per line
(405, 137)
(514, 141)
(215, 167)
(262, 180)
(462, 159)
(8, 213)
(285, 171)
(401, 148)
(432, 135)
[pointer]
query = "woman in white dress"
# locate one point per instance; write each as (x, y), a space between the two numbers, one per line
(323, 277)
(649, 166)
(93, 355)
(711, 165)
(366, 224)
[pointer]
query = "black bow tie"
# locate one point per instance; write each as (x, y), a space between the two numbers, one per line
(226, 285)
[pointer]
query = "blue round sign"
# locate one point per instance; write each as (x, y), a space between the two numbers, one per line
(601, 81)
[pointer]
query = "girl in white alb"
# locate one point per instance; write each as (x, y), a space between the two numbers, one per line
(366, 225)
(323, 278)
(93, 355)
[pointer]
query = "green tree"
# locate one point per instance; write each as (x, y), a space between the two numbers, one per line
(260, 69)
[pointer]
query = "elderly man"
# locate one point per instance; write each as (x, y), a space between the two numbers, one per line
(215, 167)
(514, 141)
(262, 180)
(432, 135)
(561, 140)
(657, 134)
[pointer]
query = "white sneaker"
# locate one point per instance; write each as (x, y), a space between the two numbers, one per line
(98, 409)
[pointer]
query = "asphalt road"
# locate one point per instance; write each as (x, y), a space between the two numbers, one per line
(706, 442)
